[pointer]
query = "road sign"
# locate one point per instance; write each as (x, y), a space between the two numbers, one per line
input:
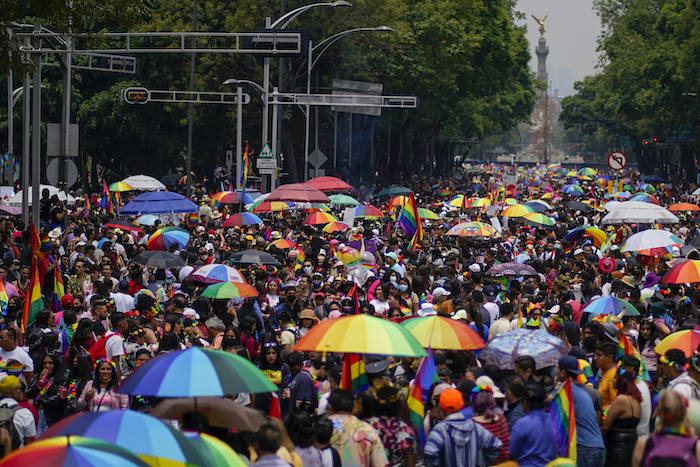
(267, 171)
(266, 152)
(266, 163)
(617, 160)
(71, 172)
(136, 96)
(317, 158)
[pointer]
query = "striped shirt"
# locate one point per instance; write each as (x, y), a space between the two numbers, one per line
(499, 428)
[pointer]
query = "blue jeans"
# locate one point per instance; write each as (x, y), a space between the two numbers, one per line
(41, 425)
(589, 457)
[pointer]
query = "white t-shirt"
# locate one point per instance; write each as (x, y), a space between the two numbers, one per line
(645, 418)
(122, 301)
(23, 420)
(21, 356)
(114, 346)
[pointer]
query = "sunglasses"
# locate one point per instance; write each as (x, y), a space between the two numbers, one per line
(270, 345)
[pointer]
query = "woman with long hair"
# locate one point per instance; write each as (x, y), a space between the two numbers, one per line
(300, 428)
(80, 372)
(476, 321)
(398, 437)
(271, 364)
(672, 440)
(620, 425)
(99, 394)
(484, 406)
(648, 339)
(45, 391)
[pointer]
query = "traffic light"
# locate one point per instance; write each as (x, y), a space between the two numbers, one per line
(659, 139)
(648, 142)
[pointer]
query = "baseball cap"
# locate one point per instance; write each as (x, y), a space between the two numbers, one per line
(392, 255)
(440, 291)
(570, 364)
(451, 400)
(460, 314)
(578, 251)
(67, 301)
(474, 267)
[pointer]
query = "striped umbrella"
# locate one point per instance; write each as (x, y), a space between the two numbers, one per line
(283, 244)
(120, 186)
(427, 214)
(230, 197)
(622, 195)
(164, 238)
(368, 212)
(336, 227)
(228, 290)
(609, 306)
(480, 203)
(688, 341)
(473, 229)
(319, 218)
(271, 206)
(645, 198)
(438, 332)
(215, 273)
(652, 242)
(399, 200)
(687, 272)
(597, 235)
(242, 218)
(215, 451)
(537, 218)
(519, 210)
(572, 190)
(647, 187)
(587, 171)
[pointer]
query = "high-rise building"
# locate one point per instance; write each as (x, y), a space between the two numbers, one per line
(565, 83)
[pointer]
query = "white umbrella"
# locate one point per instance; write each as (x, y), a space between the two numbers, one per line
(610, 205)
(16, 200)
(144, 183)
(639, 212)
(650, 240)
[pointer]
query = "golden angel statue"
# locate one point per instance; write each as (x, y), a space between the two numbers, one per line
(541, 23)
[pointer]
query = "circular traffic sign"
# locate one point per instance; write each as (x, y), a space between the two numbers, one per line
(617, 160)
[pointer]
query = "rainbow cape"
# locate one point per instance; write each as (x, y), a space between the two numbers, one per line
(625, 347)
(561, 410)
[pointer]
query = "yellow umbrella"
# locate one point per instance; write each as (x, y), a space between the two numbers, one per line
(427, 214)
(518, 210)
(480, 203)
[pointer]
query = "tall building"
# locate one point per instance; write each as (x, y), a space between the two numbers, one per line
(565, 82)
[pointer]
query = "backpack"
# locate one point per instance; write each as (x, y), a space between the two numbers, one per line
(98, 350)
(7, 415)
(662, 451)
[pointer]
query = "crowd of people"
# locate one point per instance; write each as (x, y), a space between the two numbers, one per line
(115, 315)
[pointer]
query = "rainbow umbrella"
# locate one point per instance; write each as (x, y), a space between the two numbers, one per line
(684, 207)
(572, 190)
(609, 306)
(518, 210)
(230, 197)
(242, 218)
(427, 214)
(480, 203)
(400, 200)
(537, 218)
(144, 435)
(368, 212)
(511, 201)
(343, 200)
(473, 229)
(72, 451)
(622, 195)
(215, 452)
(283, 244)
(588, 172)
(336, 227)
(687, 272)
(572, 173)
(459, 201)
(162, 239)
(196, 372)
(228, 290)
(595, 233)
(688, 341)
(647, 187)
(584, 178)
(361, 334)
(319, 218)
(270, 206)
(119, 186)
(438, 332)
(652, 242)
(215, 273)
(645, 198)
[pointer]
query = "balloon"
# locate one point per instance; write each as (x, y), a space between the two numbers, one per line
(368, 260)
(350, 257)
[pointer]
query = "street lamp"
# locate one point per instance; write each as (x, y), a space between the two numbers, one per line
(289, 17)
(311, 63)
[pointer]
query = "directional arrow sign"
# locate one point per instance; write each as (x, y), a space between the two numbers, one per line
(617, 160)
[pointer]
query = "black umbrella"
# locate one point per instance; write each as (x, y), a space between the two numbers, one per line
(171, 180)
(159, 259)
(537, 207)
(653, 179)
(695, 242)
(253, 257)
(393, 190)
(578, 206)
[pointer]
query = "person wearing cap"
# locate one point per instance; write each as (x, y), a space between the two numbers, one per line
(489, 305)
(392, 260)
(590, 447)
(440, 295)
(457, 441)
(378, 375)
(532, 437)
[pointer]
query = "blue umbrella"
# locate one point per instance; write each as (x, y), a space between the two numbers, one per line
(505, 348)
(609, 306)
(653, 179)
(537, 207)
(159, 202)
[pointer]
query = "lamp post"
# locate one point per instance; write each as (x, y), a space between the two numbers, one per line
(310, 63)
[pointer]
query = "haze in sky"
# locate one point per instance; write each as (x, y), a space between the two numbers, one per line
(572, 30)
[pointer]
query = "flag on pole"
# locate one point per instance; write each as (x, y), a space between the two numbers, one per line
(244, 168)
(425, 377)
(352, 293)
(34, 302)
(58, 290)
(106, 202)
(354, 377)
(410, 221)
(625, 347)
(3, 299)
(563, 415)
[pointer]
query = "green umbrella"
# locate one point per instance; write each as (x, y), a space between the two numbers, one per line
(227, 290)
(394, 190)
(344, 200)
(216, 451)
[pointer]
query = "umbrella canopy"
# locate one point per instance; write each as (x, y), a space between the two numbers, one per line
(686, 272)
(688, 341)
(144, 183)
(228, 290)
(506, 347)
(298, 192)
(647, 187)
(587, 171)
(230, 197)
(164, 238)
(319, 218)
(271, 206)
(343, 200)
(595, 233)
(539, 219)
(361, 334)
(215, 451)
(438, 332)
(572, 190)
(253, 257)
(652, 242)
(147, 219)
(538, 206)
(16, 199)
(215, 273)
(6, 210)
(473, 229)
(684, 207)
(242, 218)
(645, 198)
(196, 372)
(162, 202)
(73, 451)
(336, 227)
(368, 211)
(653, 179)
(609, 306)
(283, 244)
(142, 434)
(327, 183)
(578, 206)
(220, 412)
(393, 190)
(622, 195)
(480, 203)
(427, 214)
(120, 186)
(638, 212)
(124, 225)
(159, 259)
(511, 269)
(401, 200)
(518, 210)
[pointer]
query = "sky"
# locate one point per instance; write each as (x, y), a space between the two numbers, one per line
(572, 30)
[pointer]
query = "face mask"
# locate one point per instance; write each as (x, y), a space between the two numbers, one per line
(317, 284)
(403, 287)
(393, 279)
(291, 298)
(348, 309)
(228, 342)
(308, 269)
(12, 308)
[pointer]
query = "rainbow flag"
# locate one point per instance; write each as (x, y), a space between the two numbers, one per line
(193, 217)
(561, 410)
(352, 293)
(410, 221)
(106, 202)
(354, 377)
(425, 377)
(34, 303)
(3, 299)
(587, 377)
(244, 168)
(625, 347)
(58, 290)
(300, 258)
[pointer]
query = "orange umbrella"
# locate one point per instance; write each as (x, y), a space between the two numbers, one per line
(684, 207)
(283, 244)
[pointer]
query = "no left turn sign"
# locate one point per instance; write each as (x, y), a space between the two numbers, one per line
(617, 160)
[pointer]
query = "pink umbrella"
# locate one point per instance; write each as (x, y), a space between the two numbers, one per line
(329, 184)
(298, 192)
